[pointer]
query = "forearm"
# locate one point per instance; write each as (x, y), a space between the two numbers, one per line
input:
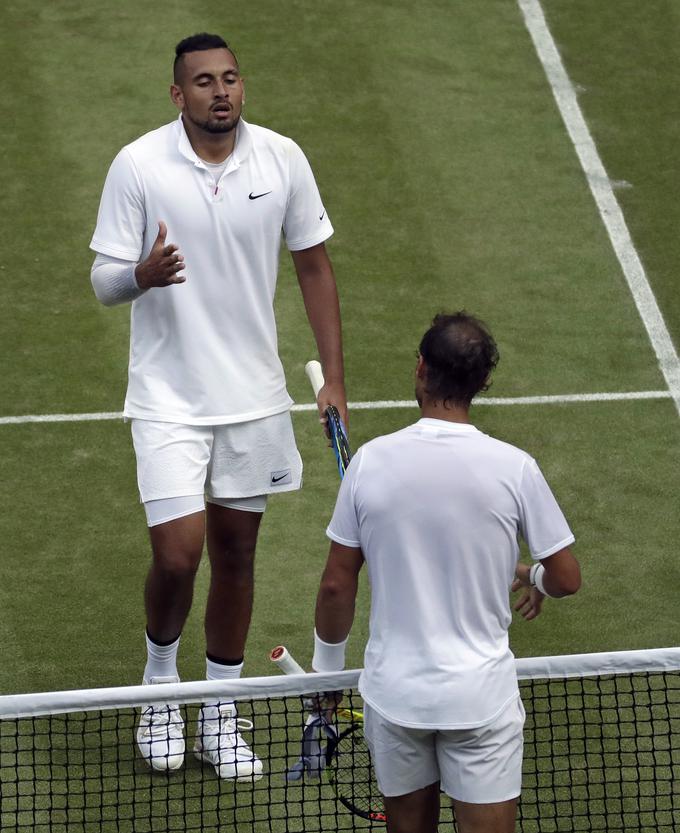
(550, 584)
(335, 606)
(557, 575)
(334, 616)
(335, 612)
(114, 281)
(320, 295)
(323, 311)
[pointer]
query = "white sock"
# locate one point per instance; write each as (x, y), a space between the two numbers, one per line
(161, 660)
(219, 671)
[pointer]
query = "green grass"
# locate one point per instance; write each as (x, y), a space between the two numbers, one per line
(451, 183)
(88, 777)
(77, 619)
(620, 55)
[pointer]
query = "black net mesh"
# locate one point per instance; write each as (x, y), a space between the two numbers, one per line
(601, 753)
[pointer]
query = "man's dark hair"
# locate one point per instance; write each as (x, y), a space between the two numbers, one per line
(460, 354)
(198, 43)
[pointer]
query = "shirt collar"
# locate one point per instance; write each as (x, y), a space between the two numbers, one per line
(242, 147)
(445, 425)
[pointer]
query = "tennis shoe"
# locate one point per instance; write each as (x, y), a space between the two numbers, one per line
(160, 734)
(219, 742)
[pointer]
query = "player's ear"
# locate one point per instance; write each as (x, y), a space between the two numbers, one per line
(421, 370)
(177, 96)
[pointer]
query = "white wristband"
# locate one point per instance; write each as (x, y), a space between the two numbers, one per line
(328, 656)
(536, 575)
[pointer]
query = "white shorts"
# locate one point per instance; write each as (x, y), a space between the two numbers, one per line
(479, 766)
(238, 460)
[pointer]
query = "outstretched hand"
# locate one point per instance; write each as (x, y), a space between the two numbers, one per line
(162, 265)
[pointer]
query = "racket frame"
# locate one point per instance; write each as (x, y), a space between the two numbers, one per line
(336, 428)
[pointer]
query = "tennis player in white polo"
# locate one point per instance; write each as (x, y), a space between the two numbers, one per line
(189, 231)
(435, 511)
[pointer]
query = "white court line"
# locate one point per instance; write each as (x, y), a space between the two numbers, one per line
(601, 188)
(381, 404)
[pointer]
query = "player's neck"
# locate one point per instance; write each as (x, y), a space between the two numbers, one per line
(449, 413)
(210, 147)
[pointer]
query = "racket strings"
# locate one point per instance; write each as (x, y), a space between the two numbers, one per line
(353, 776)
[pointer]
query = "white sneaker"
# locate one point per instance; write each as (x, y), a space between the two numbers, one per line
(219, 742)
(160, 734)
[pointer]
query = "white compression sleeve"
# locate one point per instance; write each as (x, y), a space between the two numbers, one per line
(114, 281)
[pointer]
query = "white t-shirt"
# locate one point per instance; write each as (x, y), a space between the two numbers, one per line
(437, 509)
(205, 351)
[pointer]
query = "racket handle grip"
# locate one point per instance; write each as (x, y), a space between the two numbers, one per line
(285, 661)
(315, 375)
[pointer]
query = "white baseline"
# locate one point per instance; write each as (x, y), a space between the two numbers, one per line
(601, 188)
(381, 404)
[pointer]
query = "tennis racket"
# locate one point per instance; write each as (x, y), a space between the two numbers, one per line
(349, 769)
(336, 428)
(347, 758)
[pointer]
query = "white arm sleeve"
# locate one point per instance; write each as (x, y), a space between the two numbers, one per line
(114, 281)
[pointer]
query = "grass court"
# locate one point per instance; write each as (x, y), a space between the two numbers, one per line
(452, 182)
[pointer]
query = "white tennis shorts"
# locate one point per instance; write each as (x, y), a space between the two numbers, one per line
(480, 766)
(238, 460)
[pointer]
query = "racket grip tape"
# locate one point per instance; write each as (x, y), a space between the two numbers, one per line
(281, 657)
(315, 375)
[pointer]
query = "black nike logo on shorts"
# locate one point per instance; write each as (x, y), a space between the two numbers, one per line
(281, 477)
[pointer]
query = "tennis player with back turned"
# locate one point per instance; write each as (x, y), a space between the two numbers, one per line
(435, 510)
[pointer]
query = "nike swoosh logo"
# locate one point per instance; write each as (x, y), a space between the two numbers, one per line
(276, 479)
(322, 216)
(252, 196)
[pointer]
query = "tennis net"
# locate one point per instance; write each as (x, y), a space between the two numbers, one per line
(602, 753)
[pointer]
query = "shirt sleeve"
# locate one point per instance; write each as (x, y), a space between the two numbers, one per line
(306, 222)
(122, 219)
(542, 524)
(344, 525)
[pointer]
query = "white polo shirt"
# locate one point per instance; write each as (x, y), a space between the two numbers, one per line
(204, 352)
(437, 509)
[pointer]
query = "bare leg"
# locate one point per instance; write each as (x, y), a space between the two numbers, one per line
(486, 818)
(177, 547)
(231, 536)
(416, 812)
